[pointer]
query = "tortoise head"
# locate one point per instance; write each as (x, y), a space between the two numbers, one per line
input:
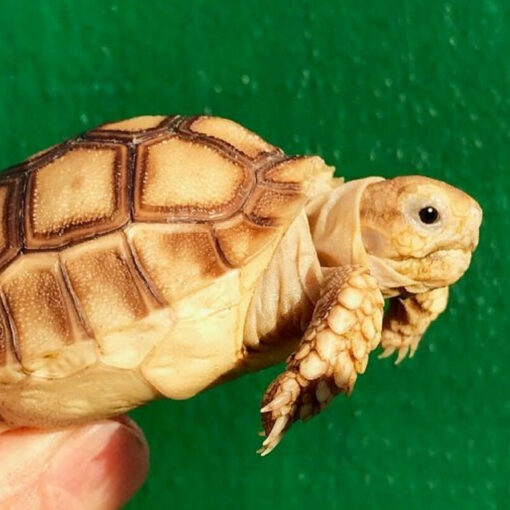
(424, 228)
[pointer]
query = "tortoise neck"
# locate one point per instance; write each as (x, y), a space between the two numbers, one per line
(336, 229)
(335, 224)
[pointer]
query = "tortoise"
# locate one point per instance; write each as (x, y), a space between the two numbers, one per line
(162, 255)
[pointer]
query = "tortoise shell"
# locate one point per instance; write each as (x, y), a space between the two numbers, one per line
(128, 220)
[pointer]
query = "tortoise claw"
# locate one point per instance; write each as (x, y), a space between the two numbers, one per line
(402, 353)
(388, 351)
(281, 400)
(274, 436)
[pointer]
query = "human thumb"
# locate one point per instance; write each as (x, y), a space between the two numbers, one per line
(92, 467)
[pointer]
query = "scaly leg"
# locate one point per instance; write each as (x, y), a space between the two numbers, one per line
(408, 319)
(345, 327)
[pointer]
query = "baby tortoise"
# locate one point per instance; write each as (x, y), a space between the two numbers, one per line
(160, 256)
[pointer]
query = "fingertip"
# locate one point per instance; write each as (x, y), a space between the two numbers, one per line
(102, 465)
(93, 467)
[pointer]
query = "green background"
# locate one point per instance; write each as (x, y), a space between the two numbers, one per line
(377, 87)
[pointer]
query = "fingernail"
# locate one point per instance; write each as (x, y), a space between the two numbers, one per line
(99, 466)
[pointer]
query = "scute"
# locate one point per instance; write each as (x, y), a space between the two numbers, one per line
(142, 123)
(79, 194)
(181, 179)
(9, 205)
(240, 239)
(236, 135)
(274, 206)
(132, 130)
(295, 170)
(178, 259)
(102, 277)
(41, 310)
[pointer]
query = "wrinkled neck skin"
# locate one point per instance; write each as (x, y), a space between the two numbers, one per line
(327, 236)
(336, 232)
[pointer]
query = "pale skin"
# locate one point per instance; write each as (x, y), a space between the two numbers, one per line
(424, 230)
(98, 466)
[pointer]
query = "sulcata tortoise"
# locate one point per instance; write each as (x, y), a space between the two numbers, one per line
(159, 256)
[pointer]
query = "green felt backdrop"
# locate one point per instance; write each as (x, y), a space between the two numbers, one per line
(377, 87)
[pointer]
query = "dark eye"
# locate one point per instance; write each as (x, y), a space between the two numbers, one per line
(429, 215)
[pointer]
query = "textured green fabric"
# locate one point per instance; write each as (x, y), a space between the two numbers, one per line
(375, 87)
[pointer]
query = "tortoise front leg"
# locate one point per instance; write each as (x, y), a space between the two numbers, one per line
(345, 327)
(408, 319)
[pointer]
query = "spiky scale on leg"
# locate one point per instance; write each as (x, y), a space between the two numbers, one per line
(345, 327)
(408, 319)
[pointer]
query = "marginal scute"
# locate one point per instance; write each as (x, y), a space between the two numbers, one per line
(102, 278)
(236, 135)
(84, 395)
(273, 206)
(9, 207)
(197, 353)
(41, 310)
(240, 239)
(295, 171)
(180, 179)
(178, 259)
(90, 181)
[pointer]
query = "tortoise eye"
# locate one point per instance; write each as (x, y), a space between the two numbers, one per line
(429, 215)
